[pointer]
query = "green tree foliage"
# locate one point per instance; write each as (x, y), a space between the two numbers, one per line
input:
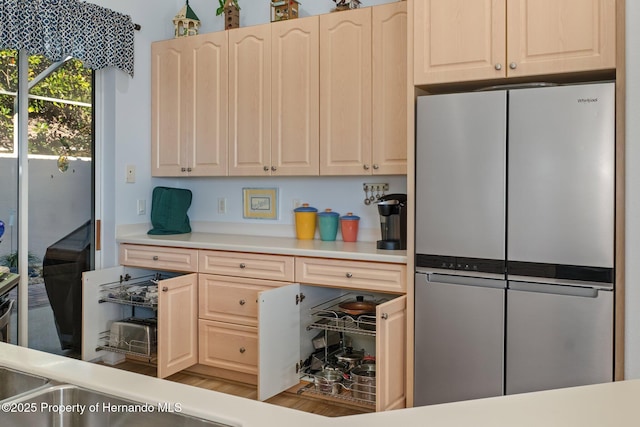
(55, 128)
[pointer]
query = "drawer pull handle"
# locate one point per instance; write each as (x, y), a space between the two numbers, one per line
(243, 265)
(242, 350)
(242, 302)
(349, 275)
(155, 257)
(165, 289)
(384, 316)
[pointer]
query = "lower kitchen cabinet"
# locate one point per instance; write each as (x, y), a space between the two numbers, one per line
(291, 318)
(228, 346)
(228, 321)
(242, 316)
(123, 294)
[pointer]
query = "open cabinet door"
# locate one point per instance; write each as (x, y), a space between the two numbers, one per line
(391, 344)
(278, 340)
(177, 324)
(96, 316)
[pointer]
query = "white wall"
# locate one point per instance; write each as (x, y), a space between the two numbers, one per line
(632, 157)
(59, 202)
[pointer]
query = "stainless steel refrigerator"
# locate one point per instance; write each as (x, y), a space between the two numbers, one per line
(514, 241)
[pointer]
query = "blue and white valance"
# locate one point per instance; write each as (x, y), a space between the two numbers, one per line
(97, 36)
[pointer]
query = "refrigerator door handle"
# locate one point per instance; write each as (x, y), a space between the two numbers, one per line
(465, 280)
(576, 291)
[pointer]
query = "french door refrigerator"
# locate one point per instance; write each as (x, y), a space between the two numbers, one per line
(514, 241)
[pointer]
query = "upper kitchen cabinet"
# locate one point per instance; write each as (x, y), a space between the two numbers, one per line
(295, 68)
(273, 99)
(363, 68)
(189, 106)
(559, 36)
(345, 92)
(250, 100)
(457, 40)
(389, 136)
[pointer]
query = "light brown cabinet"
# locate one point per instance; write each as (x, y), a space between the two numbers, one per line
(345, 92)
(229, 285)
(457, 41)
(389, 67)
(273, 99)
(158, 257)
(363, 69)
(295, 86)
(189, 106)
(295, 314)
(365, 275)
(250, 100)
(177, 325)
(252, 317)
(104, 298)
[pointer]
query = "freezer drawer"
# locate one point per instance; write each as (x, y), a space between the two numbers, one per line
(557, 336)
(459, 338)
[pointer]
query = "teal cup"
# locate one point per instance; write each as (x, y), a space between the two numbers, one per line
(328, 225)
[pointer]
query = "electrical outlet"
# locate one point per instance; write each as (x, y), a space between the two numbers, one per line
(222, 205)
(131, 174)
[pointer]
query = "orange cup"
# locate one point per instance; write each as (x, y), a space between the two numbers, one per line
(349, 227)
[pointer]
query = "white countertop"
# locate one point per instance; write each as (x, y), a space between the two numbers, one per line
(363, 251)
(611, 404)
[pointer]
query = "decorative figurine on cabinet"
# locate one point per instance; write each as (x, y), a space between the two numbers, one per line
(282, 10)
(347, 4)
(186, 22)
(231, 11)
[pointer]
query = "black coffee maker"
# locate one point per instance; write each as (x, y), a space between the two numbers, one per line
(393, 221)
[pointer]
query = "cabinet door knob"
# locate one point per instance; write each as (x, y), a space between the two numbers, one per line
(384, 316)
(273, 168)
(165, 289)
(375, 166)
(265, 168)
(498, 67)
(155, 257)
(366, 167)
(513, 65)
(242, 265)
(242, 302)
(242, 350)
(349, 275)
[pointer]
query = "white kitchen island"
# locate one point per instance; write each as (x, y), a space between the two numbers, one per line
(611, 404)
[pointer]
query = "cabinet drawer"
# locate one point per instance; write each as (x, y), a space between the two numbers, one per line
(231, 299)
(374, 276)
(228, 346)
(255, 266)
(157, 257)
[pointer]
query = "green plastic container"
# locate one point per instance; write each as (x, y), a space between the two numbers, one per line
(328, 225)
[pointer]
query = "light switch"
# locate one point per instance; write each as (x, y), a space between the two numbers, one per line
(142, 206)
(222, 205)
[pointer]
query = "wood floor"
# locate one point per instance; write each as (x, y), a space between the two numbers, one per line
(288, 399)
